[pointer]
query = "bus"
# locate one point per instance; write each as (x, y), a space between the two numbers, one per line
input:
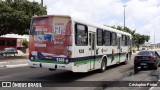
(61, 42)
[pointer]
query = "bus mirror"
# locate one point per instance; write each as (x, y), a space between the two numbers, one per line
(32, 31)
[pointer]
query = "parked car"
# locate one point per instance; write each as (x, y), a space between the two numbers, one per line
(7, 51)
(146, 59)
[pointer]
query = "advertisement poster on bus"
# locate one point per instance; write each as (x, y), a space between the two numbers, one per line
(50, 36)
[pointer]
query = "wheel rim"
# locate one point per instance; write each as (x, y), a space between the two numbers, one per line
(103, 66)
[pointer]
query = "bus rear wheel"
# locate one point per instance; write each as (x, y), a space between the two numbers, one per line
(126, 60)
(103, 65)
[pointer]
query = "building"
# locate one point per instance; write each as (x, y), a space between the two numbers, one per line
(158, 45)
(12, 40)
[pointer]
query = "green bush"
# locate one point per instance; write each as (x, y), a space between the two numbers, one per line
(134, 50)
(25, 43)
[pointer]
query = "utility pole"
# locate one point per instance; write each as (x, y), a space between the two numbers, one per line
(124, 16)
(154, 38)
(42, 2)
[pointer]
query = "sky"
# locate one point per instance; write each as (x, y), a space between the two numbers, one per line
(140, 15)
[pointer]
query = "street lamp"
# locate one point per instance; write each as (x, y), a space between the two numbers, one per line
(124, 15)
(42, 2)
(154, 38)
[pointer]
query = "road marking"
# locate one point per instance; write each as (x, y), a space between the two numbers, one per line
(154, 87)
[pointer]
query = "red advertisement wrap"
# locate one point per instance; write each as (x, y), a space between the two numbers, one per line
(52, 35)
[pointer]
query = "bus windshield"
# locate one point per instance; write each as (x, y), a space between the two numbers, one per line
(41, 27)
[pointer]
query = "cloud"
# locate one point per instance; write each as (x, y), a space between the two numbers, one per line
(142, 15)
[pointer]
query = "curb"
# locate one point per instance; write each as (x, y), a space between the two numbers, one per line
(13, 57)
(3, 62)
(13, 66)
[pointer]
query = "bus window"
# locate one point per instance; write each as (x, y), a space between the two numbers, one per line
(89, 38)
(107, 38)
(81, 35)
(114, 38)
(99, 37)
(128, 40)
(123, 40)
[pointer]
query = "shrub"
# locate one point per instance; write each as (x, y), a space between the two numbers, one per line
(134, 50)
(25, 43)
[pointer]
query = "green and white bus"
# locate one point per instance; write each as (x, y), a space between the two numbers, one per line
(66, 43)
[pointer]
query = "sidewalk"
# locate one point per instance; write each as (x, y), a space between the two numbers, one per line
(13, 63)
(19, 60)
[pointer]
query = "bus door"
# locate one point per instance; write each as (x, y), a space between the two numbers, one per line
(119, 49)
(92, 49)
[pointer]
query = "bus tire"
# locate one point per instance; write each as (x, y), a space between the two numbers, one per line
(103, 65)
(126, 60)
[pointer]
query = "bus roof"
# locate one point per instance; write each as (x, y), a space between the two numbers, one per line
(99, 26)
(87, 23)
(67, 16)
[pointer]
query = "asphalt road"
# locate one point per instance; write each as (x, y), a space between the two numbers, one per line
(114, 73)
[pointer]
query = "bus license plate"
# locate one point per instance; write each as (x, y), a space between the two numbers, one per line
(143, 64)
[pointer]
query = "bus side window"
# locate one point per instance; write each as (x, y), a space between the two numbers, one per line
(81, 35)
(89, 38)
(114, 38)
(99, 37)
(123, 40)
(128, 40)
(107, 38)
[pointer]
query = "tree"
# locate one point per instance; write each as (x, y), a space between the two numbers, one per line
(132, 32)
(16, 15)
(25, 43)
(137, 39)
